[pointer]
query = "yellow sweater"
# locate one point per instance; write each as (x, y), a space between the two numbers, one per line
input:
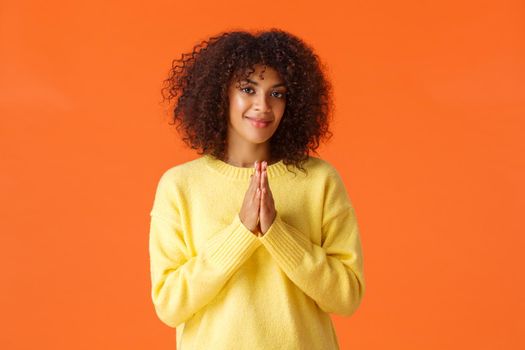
(224, 288)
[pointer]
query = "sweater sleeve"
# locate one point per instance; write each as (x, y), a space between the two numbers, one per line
(183, 282)
(331, 273)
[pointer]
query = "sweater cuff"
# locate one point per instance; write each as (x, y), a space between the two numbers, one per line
(232, 246)
(285, 243)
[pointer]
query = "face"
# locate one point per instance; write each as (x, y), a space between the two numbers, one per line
(256, 99)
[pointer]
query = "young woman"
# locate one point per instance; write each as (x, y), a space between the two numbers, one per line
(246, 252)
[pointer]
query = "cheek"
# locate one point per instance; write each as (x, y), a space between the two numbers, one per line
(280, 108)
(238, 104)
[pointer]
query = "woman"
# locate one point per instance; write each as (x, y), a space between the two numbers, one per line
(245, 252)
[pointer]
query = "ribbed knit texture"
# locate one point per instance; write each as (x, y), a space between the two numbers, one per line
(224, 288)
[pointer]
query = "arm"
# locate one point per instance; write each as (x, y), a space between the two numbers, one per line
(331, 273)
(182, 283)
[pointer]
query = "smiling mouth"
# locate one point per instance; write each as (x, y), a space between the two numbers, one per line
(260, 120)
(259, 124)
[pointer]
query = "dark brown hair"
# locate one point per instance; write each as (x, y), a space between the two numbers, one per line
(199, 82)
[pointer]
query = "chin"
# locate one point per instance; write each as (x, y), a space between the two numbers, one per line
(258, 138)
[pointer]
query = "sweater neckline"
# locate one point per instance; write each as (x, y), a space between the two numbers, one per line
(241, 173)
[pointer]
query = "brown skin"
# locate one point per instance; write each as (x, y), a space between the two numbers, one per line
(247, 143)
(249, 213)
(295, 130)
(258, 209)
(260, 99)
(267, 211)
(309, 104)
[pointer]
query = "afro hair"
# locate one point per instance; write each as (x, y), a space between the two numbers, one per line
(199, 82)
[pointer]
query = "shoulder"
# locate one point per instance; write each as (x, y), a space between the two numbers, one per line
(176, 177)
(325, 173)
(319, 163)
(180, 171)
(319, 167)
(172, 186)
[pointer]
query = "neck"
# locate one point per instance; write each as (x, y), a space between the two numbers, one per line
(245, 157)
(249, 162)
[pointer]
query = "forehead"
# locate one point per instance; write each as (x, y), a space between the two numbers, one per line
(262, 73)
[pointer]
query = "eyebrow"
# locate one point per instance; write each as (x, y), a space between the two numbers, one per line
(255, 83)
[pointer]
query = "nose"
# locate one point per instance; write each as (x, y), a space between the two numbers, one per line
(262, 104)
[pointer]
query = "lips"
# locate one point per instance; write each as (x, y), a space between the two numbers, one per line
(259, 123)
(260, 120)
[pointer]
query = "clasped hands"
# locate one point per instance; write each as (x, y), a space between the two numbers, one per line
(258, 208)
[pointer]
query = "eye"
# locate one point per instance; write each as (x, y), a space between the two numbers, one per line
(244, 88)
(281, 95)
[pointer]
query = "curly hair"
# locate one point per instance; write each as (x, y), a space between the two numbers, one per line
(199, 82)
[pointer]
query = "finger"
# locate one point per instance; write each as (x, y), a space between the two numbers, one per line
(264, 190)
(255, 173)
(267, 201)
(253, 181)
(263, 172)
(251, 192)
(267, 186)
(263, 199)
(254, 188)
(264, 180)
(267, 190)
(259, 171)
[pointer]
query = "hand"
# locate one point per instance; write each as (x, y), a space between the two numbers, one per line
(249, 213)
(267, 211)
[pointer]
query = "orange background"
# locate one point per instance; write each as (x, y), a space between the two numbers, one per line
(428, 137)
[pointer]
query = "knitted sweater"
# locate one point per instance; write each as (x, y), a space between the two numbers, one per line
(224, 288)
